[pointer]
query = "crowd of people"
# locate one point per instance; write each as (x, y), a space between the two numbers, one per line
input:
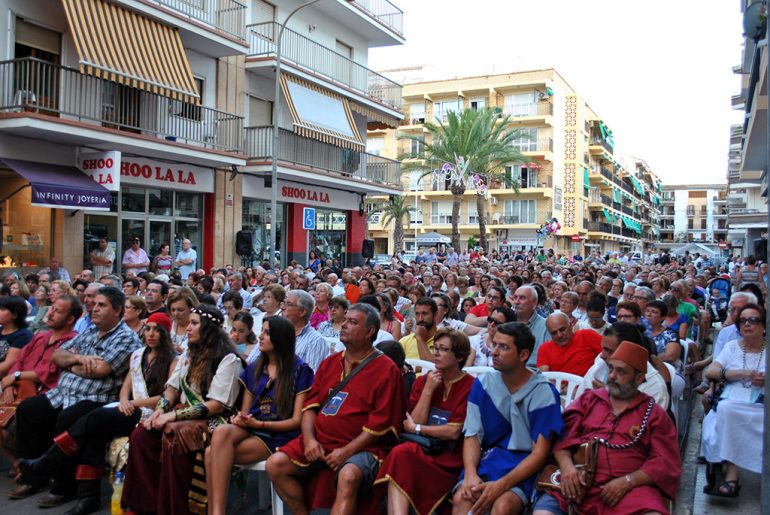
(309, 368)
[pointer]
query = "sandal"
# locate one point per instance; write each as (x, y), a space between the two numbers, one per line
(732, 489)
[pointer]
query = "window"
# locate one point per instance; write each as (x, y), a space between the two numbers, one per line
(520, 212)
(417, 148)
(416, 216)
(441, 213)
(417, 114)
(262, 11)
(696, 194)
(522, 175)
(375, 145)
(416, 180)
(260, 112)
(441, 109)
(690, 211)
(557, 201)
(690, 224)
(703, 223)
(478, 104)
(190, 110)
(473, 212)
(526, 140)
(522, 104)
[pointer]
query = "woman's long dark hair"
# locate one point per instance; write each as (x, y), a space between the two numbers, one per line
(247, 319)
(283, 337)
(157, 374)
(387, 306)
(206, 354)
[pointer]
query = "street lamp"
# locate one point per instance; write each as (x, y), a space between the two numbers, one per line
(276, 135)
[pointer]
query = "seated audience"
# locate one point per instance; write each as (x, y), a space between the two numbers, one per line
(14, 333)
(568, 351)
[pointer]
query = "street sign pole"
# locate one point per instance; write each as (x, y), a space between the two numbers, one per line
(308, 224)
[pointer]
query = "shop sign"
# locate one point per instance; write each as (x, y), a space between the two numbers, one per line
(102, 167)
(160, 174)
(295, 193)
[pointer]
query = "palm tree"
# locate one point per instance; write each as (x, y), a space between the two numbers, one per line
(394, 211)
(471, 146)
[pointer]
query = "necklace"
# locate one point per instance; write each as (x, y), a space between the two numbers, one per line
(747, 383)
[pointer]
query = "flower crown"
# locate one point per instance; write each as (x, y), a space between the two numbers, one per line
(217, 320)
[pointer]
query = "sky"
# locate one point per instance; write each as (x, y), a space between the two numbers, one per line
(658, 72)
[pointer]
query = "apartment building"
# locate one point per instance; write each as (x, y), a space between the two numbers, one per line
(571, 174)
(747, 160)
(694, 213)
(152, 119)
(132, 93)
(329, 100)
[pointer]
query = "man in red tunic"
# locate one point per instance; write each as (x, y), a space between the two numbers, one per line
(568, 351)
(343, 440)
(638, 460)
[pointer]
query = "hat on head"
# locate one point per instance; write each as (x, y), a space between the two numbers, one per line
(161, 319)
(632, 354)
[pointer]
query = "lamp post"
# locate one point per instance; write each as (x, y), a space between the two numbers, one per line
(276, 134)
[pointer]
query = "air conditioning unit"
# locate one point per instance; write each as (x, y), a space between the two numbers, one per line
(493, 200)
(543, 95)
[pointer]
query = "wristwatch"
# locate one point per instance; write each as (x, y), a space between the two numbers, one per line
(16, 376)
(417, 429)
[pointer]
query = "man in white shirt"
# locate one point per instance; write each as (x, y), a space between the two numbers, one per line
(186, 259)
(332, 280)
(102, 259)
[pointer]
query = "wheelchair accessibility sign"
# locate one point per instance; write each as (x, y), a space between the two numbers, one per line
(308, 218)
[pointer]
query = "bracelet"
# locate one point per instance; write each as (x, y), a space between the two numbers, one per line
(192, 412)
(628, 479)
(723, 374)
(163, 404)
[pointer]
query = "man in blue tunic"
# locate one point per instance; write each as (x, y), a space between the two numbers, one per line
(514, 416)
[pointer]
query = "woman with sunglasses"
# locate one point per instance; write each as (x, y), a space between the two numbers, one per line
(733, 431)
(446, 317)
(481, 344)
(149, 369)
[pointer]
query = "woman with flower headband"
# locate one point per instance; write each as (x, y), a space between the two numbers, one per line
(167, 447)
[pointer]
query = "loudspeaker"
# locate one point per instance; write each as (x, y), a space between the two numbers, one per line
(367, 249)
(243, 243)
(760, 249)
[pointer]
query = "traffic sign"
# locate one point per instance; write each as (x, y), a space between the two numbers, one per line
(308, 218)
(575, 237)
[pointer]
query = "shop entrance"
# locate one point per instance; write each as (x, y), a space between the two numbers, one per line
(330, 237)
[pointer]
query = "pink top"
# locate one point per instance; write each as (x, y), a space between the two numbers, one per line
(36, 356)
(136, 258)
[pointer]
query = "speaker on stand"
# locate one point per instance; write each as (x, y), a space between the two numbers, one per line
(367, 249)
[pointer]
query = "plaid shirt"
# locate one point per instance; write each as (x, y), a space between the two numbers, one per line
(115, 348)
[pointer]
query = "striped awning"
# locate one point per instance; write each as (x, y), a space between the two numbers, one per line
(372, 115)
(122, 46)
(320, 114)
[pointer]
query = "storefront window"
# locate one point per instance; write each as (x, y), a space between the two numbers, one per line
(256, 219)
(25, 235)
(156, 216)
(330, 237)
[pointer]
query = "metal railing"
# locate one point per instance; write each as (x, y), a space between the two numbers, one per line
(540, 145)
(627, 210)
(33, 85)
(528, 109)
(323, 61)
(385, 12)
(228, 16)
(350, 164)
(599, 141)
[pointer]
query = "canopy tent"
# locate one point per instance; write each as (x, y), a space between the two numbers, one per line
(432, 238)
(694, 248)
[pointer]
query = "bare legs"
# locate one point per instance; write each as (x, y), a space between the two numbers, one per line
(230, 444)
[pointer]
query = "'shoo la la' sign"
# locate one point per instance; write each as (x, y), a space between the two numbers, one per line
(160, 174)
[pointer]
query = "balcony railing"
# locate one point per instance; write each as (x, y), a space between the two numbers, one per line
(441, 219)
(32, 85)
(228, 16)
(627, 210)
(540, 145)
(528, 109)
(349, 164)
(385, 12)
(599, 141)
(323, 61)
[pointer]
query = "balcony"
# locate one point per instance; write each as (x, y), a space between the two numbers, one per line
(345, 164)
(627, 210)
(599, 145)
(324, 62)
(64, 95)
(541, 145)
(529, 109)
(226, 16)
(384, 12)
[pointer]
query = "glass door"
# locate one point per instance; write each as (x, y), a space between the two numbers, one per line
(160, 233)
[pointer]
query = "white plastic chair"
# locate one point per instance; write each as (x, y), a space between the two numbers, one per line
(274, 497)
(569, 386)
(477, 371)
(421, 366)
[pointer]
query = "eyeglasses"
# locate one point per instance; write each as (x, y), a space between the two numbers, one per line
(290, 304)
(494, 297)
(441, 350)
(749, 321)
(639, 297)
(491, 320)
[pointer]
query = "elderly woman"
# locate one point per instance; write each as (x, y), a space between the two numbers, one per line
(323, 294)
(135, 308)
(331, 328)
(732, 431)
(437, 407)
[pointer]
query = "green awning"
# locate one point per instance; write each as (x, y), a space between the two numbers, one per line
(638, 185)
(625, 222)
(616, 195)
(585, 177)
(607, 215)
(655, 231)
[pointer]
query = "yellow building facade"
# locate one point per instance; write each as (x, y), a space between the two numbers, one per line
(570, 174)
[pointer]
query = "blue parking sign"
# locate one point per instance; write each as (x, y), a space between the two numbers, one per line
(308, 218)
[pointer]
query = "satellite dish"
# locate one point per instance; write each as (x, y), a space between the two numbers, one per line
(754, 20)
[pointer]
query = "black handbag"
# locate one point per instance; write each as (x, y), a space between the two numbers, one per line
(429, 444)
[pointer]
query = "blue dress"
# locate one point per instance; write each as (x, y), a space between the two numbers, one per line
(264, 407)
